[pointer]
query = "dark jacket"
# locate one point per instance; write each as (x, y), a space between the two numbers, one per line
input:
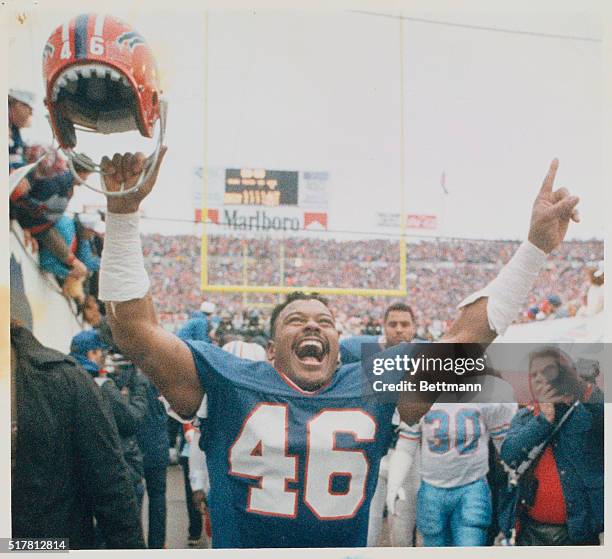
(127, 377)
(153, 433)
(89, 366)
(578, 451)
(125, 419)
(69, 464)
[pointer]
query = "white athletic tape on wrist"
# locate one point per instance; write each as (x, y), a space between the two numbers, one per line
(122, 273)
(509, 290)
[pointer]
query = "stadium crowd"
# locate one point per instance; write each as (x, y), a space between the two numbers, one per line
(439, 271)
(91, 435)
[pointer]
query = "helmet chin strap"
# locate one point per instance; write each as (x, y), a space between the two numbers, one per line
(83, 161)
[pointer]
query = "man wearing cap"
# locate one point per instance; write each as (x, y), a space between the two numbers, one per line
(198, 326)
(20, 104)
(88, 350)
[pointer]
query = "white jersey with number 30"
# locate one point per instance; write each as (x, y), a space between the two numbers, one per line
(454, 439)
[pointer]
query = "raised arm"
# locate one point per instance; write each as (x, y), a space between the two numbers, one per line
(487, 313)
(124, 287)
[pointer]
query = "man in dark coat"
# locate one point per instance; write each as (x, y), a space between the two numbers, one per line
(68, 465)
(124, 390)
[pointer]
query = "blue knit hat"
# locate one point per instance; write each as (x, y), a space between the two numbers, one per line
(85, 341)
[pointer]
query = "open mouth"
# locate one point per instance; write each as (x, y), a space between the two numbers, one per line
(311, 351)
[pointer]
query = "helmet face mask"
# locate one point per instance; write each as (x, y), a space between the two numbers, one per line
(100, 75)
(94, 96)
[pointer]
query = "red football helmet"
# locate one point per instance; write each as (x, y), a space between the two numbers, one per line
(100, 74)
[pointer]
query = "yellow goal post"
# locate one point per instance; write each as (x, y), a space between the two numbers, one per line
(245, 288)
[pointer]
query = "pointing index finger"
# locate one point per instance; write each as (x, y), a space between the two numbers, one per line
(549, 180)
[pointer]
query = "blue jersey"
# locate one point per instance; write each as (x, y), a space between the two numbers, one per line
(289, 468)
(350, 348)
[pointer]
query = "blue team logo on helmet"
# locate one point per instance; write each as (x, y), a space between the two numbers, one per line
(131, 38)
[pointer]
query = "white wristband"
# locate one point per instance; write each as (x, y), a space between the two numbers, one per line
(508, 291)
(122, 273)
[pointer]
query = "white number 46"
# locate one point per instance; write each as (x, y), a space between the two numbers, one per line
(260, 452)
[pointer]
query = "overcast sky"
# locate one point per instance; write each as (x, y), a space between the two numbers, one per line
(321, 91)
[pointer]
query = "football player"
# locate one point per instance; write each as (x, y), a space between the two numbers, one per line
(399, 325)
(294, 446)
(454, 500)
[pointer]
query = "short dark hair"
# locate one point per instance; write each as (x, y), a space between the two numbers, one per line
(399, 306)
(294, 296)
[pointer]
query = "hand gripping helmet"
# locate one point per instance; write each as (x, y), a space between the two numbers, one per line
(101, 75)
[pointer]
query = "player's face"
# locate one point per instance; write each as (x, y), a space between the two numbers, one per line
(399, 327)
(305, 344)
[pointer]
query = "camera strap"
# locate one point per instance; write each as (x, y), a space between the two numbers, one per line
(515, 474)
